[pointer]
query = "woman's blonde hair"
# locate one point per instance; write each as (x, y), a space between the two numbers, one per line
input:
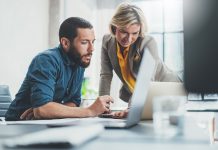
(127, 14)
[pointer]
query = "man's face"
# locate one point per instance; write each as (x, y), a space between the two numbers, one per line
(128, 35)
(82, 46)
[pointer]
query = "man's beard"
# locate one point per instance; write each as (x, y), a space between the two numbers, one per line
(77, 58)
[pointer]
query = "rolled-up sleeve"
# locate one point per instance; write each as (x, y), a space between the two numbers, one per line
(42, 75)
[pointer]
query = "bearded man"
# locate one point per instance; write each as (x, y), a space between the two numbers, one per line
(52, 86)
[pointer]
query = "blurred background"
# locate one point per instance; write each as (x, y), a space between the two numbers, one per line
(30, 26)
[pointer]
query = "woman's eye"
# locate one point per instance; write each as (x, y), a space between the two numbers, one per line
(121, 31)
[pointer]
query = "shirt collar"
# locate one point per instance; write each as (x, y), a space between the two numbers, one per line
(66, 59)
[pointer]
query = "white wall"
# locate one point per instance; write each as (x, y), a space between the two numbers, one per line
(23, 33)
(99, 13)
(86, 9)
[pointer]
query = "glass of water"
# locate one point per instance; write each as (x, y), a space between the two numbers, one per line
(168, 115)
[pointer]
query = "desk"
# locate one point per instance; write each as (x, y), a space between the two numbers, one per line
(142, 136)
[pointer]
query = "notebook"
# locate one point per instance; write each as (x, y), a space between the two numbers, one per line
(63, 137)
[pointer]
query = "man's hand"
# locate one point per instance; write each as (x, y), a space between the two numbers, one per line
(101, 105)
(120, 114)
(27, 115)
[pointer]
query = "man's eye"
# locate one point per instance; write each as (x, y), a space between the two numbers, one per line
(136, 33)
(84, 42)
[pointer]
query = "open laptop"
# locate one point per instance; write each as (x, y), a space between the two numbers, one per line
(161, 89)
(139, 95)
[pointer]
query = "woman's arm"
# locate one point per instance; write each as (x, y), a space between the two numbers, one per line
(106, 69)
(162, 73)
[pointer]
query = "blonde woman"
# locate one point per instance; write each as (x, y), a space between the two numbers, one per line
(122, 51)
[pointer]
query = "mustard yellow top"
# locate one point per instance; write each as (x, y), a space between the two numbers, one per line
(125, 71)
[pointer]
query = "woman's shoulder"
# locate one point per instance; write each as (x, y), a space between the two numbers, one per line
(107, 37)
(148, 42)
(146, 39)
(108, 41)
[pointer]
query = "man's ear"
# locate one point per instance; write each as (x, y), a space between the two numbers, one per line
(65, 43)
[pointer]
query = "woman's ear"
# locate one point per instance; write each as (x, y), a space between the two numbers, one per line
(65, 43)
(113, 28)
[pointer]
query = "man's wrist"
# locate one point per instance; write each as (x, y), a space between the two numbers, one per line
(90, 112)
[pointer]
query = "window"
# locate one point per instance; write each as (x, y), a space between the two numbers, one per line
(164, 19)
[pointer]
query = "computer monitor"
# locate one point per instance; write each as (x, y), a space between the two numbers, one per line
(201, 45)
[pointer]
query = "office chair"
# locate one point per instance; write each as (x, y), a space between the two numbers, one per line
(5, 99)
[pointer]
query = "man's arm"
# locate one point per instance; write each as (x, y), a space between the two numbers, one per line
(53, 110)
(29, 115)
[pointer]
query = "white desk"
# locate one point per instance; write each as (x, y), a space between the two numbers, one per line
(142, 137)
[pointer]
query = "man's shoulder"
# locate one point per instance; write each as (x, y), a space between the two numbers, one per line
(49, 54)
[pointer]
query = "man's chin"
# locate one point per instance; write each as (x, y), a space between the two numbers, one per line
(84, 65)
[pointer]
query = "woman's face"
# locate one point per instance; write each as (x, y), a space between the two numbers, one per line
(127, 36)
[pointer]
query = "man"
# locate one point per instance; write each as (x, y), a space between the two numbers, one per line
(52, 86)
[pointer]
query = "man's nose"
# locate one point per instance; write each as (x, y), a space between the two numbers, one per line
(91, 47)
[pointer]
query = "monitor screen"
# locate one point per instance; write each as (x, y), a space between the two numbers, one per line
(201, 45)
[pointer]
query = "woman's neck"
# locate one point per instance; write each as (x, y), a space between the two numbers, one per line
(121, 47)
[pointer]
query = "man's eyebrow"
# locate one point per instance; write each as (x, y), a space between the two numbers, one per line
(136, 32)
(87, 40)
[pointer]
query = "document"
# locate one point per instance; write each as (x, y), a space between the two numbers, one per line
(50, 121)
(53, 137)
(202, 106)
(212, 96)
(194, 97)
(63, 122)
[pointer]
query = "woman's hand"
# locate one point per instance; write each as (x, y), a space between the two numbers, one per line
(120, 114)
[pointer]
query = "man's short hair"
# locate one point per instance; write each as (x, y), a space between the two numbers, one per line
(68, 28)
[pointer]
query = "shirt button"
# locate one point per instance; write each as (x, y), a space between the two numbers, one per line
(62, 102)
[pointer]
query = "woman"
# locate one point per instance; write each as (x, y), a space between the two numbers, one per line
(122, 52)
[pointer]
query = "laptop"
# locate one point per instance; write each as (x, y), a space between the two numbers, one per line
(139, 95)
(161, 89)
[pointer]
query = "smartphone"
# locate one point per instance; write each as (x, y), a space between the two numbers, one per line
(105, 116)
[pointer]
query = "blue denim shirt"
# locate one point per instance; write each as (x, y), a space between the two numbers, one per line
(52, 76)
